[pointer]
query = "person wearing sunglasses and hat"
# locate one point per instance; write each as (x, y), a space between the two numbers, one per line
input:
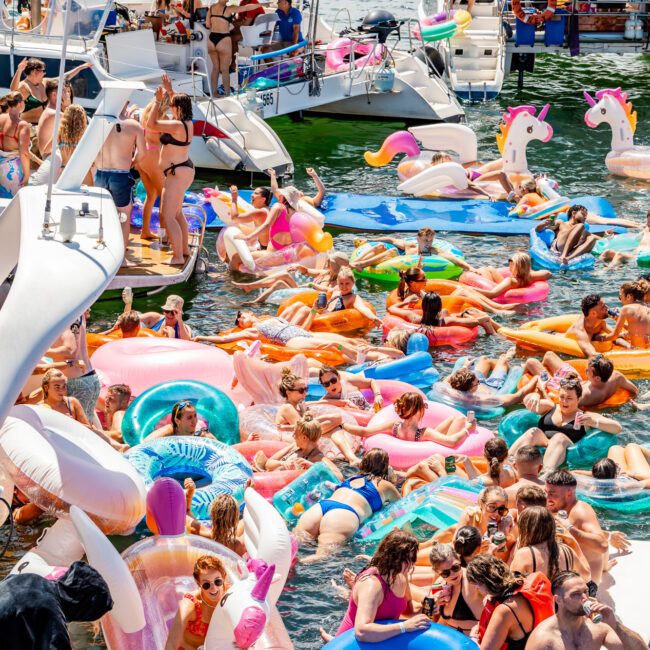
(184, 421)
(196, 608)
(170, 323)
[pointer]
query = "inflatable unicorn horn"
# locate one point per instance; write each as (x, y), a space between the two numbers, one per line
(625, 158)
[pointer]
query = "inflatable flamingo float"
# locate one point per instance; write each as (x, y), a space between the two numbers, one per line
(625, 158)
(450, 179)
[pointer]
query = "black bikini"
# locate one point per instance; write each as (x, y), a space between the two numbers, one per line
(547, 425)
(169, 139)
(462, 611)
(217, 37)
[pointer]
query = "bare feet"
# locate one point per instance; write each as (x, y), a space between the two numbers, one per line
(259, 461)
(176, 262)
(148, 235)
(325, 636)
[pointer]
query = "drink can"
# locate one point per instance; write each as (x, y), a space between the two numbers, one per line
(586, 607)
(446, 591)
(499, 539)
(437, 586)
(471, 416)
(562, 514)
(428, 606)
(450, 464)
(321, 303)
(576, 423)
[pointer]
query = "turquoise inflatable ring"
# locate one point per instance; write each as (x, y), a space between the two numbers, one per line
(202, 459)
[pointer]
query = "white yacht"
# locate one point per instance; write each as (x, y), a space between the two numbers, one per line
(474, 58)
(227, 135)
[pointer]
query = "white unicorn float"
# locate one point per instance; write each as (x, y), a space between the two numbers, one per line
(463, 177)
(625, 158)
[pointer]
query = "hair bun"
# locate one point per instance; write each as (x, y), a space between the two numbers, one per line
(308, 416)
(286, 371)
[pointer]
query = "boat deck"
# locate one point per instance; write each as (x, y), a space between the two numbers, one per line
(151, 263)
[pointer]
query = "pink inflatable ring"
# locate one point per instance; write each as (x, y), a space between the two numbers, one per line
(404, 453)
(446, 335)
(536, 291)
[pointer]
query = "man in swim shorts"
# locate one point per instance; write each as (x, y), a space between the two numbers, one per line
(120, 152)
(601, 383)
(485, 377)
(170, 323)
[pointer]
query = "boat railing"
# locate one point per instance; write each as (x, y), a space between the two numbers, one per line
(203, 219)
(343, 10)
(301, 66)
(213, 105)
(414, 23)
(591, 10)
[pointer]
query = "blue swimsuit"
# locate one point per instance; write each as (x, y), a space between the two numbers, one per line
(368, 491)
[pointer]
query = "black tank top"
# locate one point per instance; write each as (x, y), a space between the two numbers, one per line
(547, 425)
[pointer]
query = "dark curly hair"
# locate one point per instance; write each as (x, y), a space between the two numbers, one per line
(184, 104)
(393, 551)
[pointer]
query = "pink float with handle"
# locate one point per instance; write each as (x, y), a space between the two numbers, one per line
(337, 57)
(404, 453)
(536, 291)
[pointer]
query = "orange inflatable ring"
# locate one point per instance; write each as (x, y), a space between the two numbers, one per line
(444, 288)
(620, 397)
(94, 341)
(340, 322)
(282, 353)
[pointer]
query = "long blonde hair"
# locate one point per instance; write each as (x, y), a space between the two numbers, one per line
(73, 125)
(162, 109)
(521, 264)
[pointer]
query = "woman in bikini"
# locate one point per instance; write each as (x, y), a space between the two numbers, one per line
(55, 397)
(335, 520)
(14, 147)
(219, 21)
(148, 165)
(32, 87)
(178, 169)
(410, 409)
(195, 610)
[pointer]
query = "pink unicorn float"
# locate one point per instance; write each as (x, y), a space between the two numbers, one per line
(625, 158)
(435, 174)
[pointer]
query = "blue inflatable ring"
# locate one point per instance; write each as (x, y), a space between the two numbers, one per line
(202, 459)
(437, 636)
(212, 405)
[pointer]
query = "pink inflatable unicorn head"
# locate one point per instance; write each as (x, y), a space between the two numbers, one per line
(244, 610)
(518, 128)
(611, 107)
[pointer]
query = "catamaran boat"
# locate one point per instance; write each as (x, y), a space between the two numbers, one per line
(227, 135)
(473, 55)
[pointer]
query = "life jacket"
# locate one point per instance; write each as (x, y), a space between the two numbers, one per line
(536, 589)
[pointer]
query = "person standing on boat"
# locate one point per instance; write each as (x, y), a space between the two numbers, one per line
(122, 148)
(170, 322)
(175, 139)
(32, 87)
(45, 127)
(14, 147)
(220, 21)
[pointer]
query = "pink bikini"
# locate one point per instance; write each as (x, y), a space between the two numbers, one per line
(280, 225)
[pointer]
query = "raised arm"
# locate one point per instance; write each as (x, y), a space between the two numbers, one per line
(320, 187)
(15, 81)
(75, 71)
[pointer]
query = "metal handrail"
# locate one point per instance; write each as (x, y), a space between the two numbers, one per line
(212, 103)
(204, 220)
(336, 17)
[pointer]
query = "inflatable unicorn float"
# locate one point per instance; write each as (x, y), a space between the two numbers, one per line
(625, 158)
(452, 179)
(305, 227)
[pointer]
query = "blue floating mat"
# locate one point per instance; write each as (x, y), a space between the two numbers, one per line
(372, 213)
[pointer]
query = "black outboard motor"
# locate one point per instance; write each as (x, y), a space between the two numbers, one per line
(432, 57)
(380, 22)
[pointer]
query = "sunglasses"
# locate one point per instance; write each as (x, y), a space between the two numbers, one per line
(455, 568)
(168, 311)
(181, 405)
(218, 582)
(331, 382)
(302, 390)
(502, 510)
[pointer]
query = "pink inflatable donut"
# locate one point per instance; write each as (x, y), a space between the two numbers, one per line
(141, 363)
(536, 291)
(338, 53)
(404, 453)
(447, 335)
